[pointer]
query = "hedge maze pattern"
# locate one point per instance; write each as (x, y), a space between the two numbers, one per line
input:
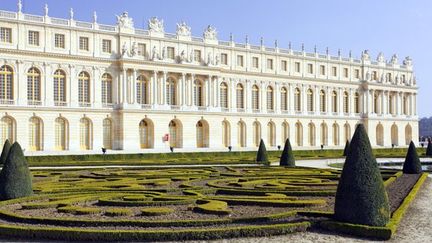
(171, 204)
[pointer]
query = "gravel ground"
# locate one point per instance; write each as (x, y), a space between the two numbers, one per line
(415, 226)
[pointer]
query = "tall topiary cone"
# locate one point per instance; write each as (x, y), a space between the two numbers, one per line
(262, 153)
(412, 163)
(361, 197)
(345, 152)
(15, 177)
(287, 157)
(5, 151)
(429, 148)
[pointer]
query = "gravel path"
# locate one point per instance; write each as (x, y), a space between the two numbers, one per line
(415, 226)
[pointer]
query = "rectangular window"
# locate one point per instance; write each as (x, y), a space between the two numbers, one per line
(33, 38)
(106, 46)
(270, 64)
(59, 41)
(345, 72)
(5, 35)
(310, 68)
(334, 71)
(224, 59)
(374, 75)
(240, 61)
(84, 43)
(171, 52)
(357, 73)
(141, 49)
(322, 70)
(255, 62)
(297, 67)
(284, 65)
(403, 78)
(197, 55)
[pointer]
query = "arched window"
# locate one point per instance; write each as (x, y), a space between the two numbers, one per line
(240, 96)
(86, 134)
(35, 134)
(59, 88)
(202, 134)
(324, 134)
(61, 134)
(171, 91)
(408, 134)
(347, 129)
(223, 95)
(7, 129)
(284, 99)
(299, 134)
(271, 134)
(142, 90)
(336, 134)
(310, 100)
(107, 133)
(106, 89)
(356, 103)
(198, 93)
(255, 97)
(241, 133)
(334, 101)
(322, 101)
(297, 99)
(312, 134)
(380, 135)
(345, 102)
(285, 131)
(6, 83)
(84, 89)
(270, 102)
(33, 86)
(146, 133)
(256, 133)
(394, 135)
(175, 134)
(226, 133)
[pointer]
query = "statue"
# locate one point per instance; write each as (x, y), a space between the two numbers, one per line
(210, 33)
(134, 49)
(155, 54)
(368, 75)
(209, 60)
(156, 25)
(407, 61)
(394, 59)
(217, 60)
(183, 29)
(94, 17)
(382, 78)
(124, 21)
(71, 13)
(365, 55)
(182, 56)
(124, 49)
(163, 54)
(46, 9)
(380, 57)
(20, 6)
(397, 79)
(190, 57)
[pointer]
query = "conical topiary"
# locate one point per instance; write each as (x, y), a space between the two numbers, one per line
(361, 197)
(5, 151)
(262, 153)
(412, 163)
(287, 157)
(429, 148)
(345, 152)
(15, 177)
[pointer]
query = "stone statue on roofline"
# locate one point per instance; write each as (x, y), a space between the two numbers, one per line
(134, 49)
(365, 55)
(156, 25)
(394, 59)
(124, 21)
(183, 29)
(155, 53)
(210, 33)
(407, 61)
(380, 57)
(124, 50)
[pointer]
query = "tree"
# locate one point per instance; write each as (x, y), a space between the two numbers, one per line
(262, 153)
(361, 197)
(5, 151)
(287, 157)
(345, 152)
(412, 163)
(15, 177)
(429, 148)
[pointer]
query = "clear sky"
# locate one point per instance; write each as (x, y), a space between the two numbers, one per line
(403, 27)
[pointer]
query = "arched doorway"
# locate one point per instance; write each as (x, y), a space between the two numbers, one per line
(202, 134)
(146, 133)
(312, 134)
(324, 134)
(335, 134)
(347, 130)
(271, 134)
(285, 131)
(35, 134)
(299, 134)
(394, 135)
(61, 134)
(408, 134)
(226, 133)
(86, 134)
(175, 133)
(380, 135)
(241, 127)
(7, 129)
(107, 133)
(256, 133)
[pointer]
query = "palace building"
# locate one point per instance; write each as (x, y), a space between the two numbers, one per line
(68, 86)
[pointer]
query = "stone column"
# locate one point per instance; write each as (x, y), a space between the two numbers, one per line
(277, 96)
(192, 93)
(73, 87)
(133, 99)
(163, 88)
(19, 86)
(216, 102)
(263, 98)
(304, 99)
(340, 102)
(183, 89)
(124, 86)
(316, 100)
(290, 99)
(96, 89)
(153, 85)
(48, 84)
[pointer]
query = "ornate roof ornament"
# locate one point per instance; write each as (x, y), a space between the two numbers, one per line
(394, 59)
(183, 29)
(156, 25)
(20, 6)
(407, 61)
(46, 9)
(210, 33)
(95, 17)
(124, 21)
(380, 57)
(365, 55)
(71, 13)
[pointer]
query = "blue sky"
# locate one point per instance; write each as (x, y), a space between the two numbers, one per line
(391, 26)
